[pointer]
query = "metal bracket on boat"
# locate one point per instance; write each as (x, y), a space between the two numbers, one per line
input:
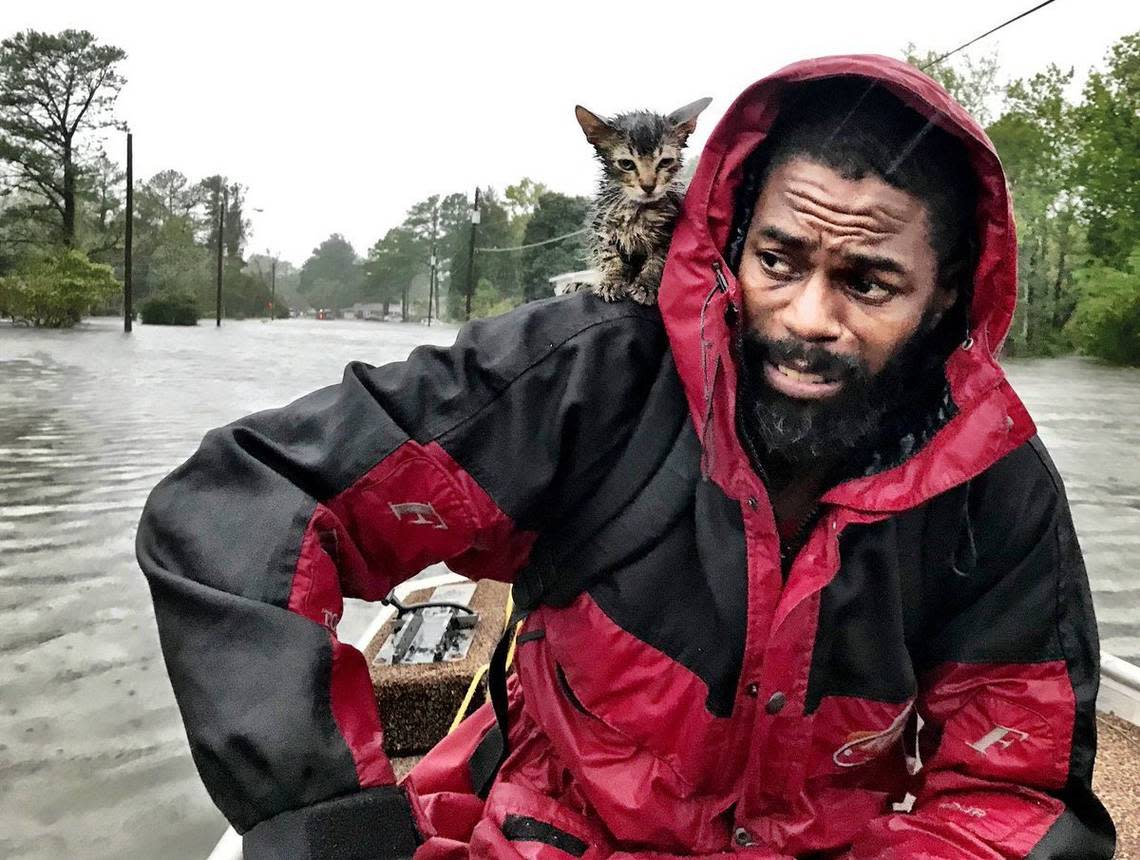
(440, 630)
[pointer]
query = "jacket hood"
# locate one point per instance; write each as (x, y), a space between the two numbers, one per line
(700, 300)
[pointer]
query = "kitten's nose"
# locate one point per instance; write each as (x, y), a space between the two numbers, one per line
(648, 188)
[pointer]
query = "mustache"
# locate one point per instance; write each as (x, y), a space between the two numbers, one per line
(805, 357)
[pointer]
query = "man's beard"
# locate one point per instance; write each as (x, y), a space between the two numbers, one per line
(868, 408)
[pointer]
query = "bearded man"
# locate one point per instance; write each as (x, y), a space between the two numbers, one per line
(803, 581)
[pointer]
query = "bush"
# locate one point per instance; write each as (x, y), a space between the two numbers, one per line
(176, 307)
(55, 292)
(1106, 323)
(487, 302)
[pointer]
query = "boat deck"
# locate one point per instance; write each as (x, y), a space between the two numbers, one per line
(1117, 780)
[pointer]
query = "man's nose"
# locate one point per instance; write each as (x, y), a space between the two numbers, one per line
(810, 314)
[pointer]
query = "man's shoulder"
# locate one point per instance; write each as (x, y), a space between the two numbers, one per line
(1026, 471)
(1015, 502)
(563, 318)
(571, 328)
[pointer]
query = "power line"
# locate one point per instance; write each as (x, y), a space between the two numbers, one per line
(534, 244)
(934, 63)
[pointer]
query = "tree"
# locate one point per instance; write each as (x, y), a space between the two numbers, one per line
(499, 269)
(1036, 139)
(973, 83)
(1107, 320)
(210, 194)
(554, 215)
(520, 200)
(455, 234)
(331, 277)
(175, 263)
(103, 191)
(56, 291)
(392, 264)
(173, 195)
(53, 88)
(1108, 164)
(280, 276)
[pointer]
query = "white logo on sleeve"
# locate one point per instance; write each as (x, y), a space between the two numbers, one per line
(1000, 735)
(424, 514)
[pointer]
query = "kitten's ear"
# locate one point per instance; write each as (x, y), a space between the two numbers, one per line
(597, 129)
(684, 119)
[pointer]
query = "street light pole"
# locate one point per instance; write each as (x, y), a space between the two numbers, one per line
(221, 245)
(432, 259)
(128, 239)
(475, 218)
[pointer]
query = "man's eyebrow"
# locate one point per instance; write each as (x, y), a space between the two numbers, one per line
(789, 240)
(859, 260)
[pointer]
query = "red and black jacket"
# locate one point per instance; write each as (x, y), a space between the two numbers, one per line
(689, 701)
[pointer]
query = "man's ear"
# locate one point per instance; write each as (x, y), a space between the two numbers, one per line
(684, 119)
(941, 302)
(597, 130)
(944, 299)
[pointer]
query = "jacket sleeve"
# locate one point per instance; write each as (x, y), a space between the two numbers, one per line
(457, 455)
(1008, 700)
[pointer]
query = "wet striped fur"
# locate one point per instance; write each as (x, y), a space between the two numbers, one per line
(639, 196)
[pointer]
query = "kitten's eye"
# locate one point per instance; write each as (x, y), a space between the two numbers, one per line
(626, 164)
(666, 163)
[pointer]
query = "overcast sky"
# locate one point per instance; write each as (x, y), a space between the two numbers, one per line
(338, 116)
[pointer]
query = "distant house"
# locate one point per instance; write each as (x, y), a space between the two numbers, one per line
(568, 282)
(372, 310)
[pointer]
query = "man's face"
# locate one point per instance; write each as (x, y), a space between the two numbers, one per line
(839, 286)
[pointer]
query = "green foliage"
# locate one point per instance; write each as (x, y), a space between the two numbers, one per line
(55, 292)
(522, 198)
(1108, 161)
(1037, 141)
(1106, 323)
(554, 215)
(172, 307)
(393, 262)
(972, 82)
(487, 302)
(331, 277)
(53, 89)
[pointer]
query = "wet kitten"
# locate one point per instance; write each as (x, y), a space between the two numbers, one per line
(638, 197)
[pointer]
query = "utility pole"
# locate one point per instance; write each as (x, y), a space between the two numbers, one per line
(128, 287)
(432, 259)
(221, 245)
(475, 218)
(273, 290)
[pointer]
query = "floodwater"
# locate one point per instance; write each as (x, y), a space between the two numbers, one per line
(93, 759)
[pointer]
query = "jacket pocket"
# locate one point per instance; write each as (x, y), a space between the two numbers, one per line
(522, 822)
(568, 693)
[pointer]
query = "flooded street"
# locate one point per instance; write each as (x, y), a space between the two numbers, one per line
(93, 758)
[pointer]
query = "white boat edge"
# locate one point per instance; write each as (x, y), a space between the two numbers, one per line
(1119, 689)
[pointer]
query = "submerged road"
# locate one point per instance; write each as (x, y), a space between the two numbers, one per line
(93, 758)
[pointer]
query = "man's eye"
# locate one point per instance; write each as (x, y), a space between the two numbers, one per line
(625, 164)
(869, 291)
(775, 264)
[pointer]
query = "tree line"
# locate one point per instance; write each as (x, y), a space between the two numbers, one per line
(1073, 166)
(502, 271)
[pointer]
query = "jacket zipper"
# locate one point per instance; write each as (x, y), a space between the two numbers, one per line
(792, 546)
